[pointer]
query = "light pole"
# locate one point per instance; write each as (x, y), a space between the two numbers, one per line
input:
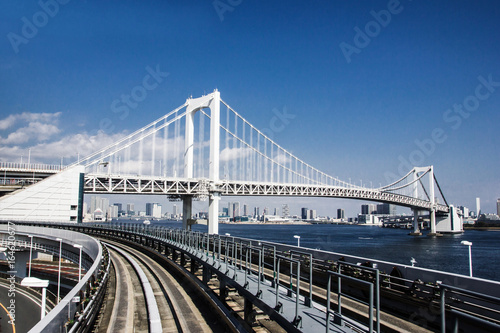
(78, 246)
(31, 250)
(469, 244)
(59, 272)
(298, 240)
(37, 283)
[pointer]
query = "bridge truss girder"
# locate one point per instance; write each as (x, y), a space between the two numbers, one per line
(201, 188)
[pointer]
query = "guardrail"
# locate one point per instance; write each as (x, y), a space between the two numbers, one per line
(232, 255)
(31, 167)
(77, 308)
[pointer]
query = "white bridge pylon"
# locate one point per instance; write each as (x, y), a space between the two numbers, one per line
(198, 151)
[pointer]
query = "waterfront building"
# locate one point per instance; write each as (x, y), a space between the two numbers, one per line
(368, 209)
(498, 207)
(112, 212)
(386, 209)
(130, 209)
(286, 210)
(245, 209)
(312, 214)
(304, 212)
(340, 213)
(153, 210)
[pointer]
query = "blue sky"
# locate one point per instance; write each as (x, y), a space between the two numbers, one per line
(361, 114)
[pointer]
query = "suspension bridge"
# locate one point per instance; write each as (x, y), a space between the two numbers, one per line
(203, 150)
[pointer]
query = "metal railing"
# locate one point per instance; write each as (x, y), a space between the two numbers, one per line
(31, 167)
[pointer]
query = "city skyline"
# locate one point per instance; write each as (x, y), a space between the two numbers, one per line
(420, 89)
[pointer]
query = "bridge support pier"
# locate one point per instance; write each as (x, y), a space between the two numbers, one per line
(432, 215)
(416, 231)
(213, 213)
(187, 207)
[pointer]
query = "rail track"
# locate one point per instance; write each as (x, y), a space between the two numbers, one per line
(131, 311)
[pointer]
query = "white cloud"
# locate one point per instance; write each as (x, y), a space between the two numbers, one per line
(7, 122)
(228, 154)
(68, 147)
(34, 126)
(35, 130)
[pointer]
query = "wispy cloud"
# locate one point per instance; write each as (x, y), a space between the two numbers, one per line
(228, 154)
(28, 126)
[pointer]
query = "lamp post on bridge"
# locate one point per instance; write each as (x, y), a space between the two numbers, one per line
(31, 251)
(78, 246)
(298, 240)
(59, 271)
(469, 244)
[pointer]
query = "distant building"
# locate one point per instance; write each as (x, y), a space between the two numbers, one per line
(233, 209)
(245, 210)
(286, 210)
(225, 211)
(112, 212)
(312, 214)
(498, 207)
(368, 219)
(386, 209)
(304, 214)
(153, 210)
(130, 209)
(368, 209)
(340, 213)
(478, 207)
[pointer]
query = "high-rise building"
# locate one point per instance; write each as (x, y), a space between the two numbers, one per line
(130, 209)
(478, 207)
(245, 210)
(285, 210)
(153, 210)
(340, 213)
(119, 205)
(386, 209)
(304, 213)
(256, 212)
(174, 210)
(498, 207)
(234, 209)
(311, 214)
(368, 209)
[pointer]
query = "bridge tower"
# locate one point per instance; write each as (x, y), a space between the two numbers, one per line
(211, 101)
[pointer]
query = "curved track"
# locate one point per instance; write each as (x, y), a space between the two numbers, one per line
(177, 311)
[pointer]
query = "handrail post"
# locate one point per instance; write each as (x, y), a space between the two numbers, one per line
(328, 287)
(443, 314)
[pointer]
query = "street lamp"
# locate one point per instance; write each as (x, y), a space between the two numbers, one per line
(298, 240)
(31, 249)
(37, 283)
(59, 272)
(78, 246)
(469, 244)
